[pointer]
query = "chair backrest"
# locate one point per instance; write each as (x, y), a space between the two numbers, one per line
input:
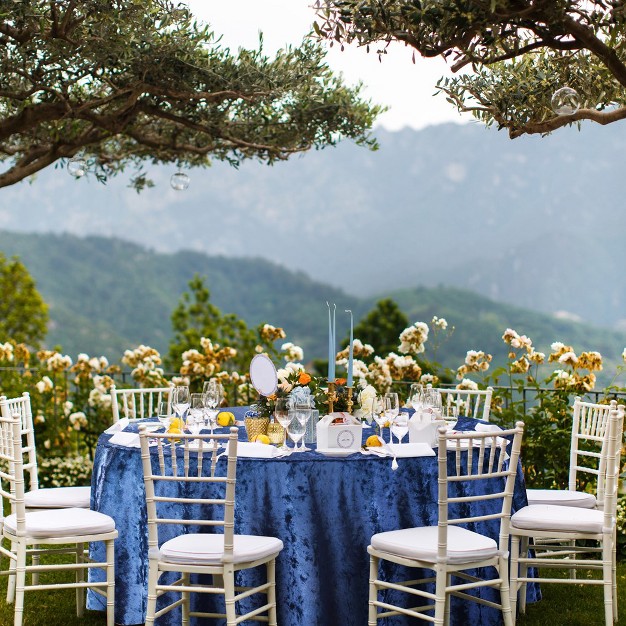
(613, 466)
(192, 466)
(470, 402)
(12, 469)
(588, 447)
(21, 406)
(138, 403)
(471, 458)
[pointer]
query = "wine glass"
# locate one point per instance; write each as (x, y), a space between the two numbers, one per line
(164, 414)
(400, 426)
(180, 400)
(214, 386)
(303, 415)
(281, 413)
(432, 403)
(378, 411)
(416, 396)
(295, 429)
(211, 397)
(195, 415)
(392, 408)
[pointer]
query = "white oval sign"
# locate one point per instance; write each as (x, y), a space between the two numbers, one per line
(263, 375)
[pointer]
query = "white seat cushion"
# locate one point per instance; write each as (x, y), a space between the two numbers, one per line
(464, 546)
(558, 518)
(205, 549)
(58, 498)
(561, 497)
(62, 523)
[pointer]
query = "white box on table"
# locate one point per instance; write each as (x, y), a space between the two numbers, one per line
(423, 430)
(345, 436)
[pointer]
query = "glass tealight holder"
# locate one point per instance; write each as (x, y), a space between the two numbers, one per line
(276, 433)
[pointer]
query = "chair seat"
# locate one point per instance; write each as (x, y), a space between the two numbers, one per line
(561, 497)
(58, 498)
(203, 549)
(464, 546)
(557, 518)
(62, 523)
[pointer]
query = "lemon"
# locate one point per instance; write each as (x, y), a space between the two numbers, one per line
(261, 439)
(226, 418)
(176, 425)
(373, 441)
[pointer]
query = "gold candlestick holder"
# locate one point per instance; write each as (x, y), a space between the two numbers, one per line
(332, 397)
(349, 399)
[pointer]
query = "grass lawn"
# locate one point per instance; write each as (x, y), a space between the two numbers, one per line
(562, 605)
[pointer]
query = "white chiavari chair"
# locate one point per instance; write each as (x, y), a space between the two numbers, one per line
(474, 403)
(191, 467)
(571, 525)
(26, 531)
(450, 549)
(138, 403)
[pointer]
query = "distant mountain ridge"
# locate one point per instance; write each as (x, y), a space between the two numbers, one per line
(536, 222)
(107, 295)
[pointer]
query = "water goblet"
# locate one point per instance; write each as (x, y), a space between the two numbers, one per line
(180, 400)
(164, 414)
(416, 396)
(400, 426)
(303, 415)
(211, 398)
(391, 404)
(195, 415)
(295, 430)
(378, 411)
(281, 413)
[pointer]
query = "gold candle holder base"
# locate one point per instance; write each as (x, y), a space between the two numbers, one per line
(332, 397)
(349, 399)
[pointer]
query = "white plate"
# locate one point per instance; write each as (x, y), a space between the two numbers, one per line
(336, 452)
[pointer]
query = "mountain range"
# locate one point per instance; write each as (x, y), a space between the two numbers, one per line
(534, 222)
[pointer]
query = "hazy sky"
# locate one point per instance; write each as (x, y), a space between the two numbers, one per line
(396, 82)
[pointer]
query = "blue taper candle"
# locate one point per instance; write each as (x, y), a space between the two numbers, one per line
(351, 351)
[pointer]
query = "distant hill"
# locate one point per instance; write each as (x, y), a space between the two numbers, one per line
(107, 295)
(535, 222)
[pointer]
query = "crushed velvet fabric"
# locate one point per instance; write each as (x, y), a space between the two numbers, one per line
(324, 509)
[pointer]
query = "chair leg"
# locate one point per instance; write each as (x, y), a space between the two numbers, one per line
(11, 578)
(153, 579)
(271, 592)
(440, 594)
(514, 566)
(186, 601)
(446, 615)
(614, 559)
(523, 572)
(505, 591)
(229, 594)
(80, 577)
(35, 561)
(20, 582)
(373, 611)
(607, 573)
(110, 574)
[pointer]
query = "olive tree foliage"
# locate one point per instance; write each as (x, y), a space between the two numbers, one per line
(511, 55)
(23, 313)
(134, 82)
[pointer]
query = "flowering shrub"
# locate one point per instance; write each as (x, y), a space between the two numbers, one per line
(69, 471)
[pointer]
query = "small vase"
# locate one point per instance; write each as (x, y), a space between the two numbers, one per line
(310, 436)
(276, 433)
(256, 426)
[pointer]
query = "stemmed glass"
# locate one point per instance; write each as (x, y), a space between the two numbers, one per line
(212, 399)
(378, 411)
(400, 426)
(303, 415)
(432, 403)
(180, 400)
(195, 416)
(416, 396)
(281, 413)
(392, 408)
(164, 414)
(296, 430)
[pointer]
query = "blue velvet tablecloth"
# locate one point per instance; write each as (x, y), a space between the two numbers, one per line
(324, 509)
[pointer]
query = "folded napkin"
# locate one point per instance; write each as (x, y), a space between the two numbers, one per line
(254, 450)
(118, 426)
(402, 450)
(128, 440)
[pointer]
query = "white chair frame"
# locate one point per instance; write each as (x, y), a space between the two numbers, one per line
(588, 451)
(22, 544)
(488, 465)
(223, 570)
(477, 402)
(139, 402)
(545, 523)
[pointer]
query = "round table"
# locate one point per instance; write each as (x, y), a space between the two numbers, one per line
(324, 509)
